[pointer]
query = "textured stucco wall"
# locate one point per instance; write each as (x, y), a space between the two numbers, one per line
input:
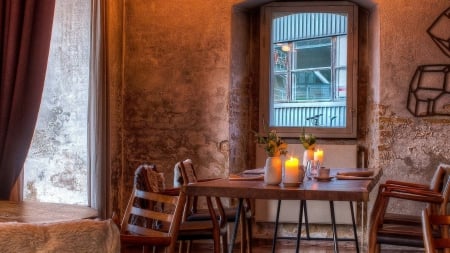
(409, 148)
(186, 89)
(176, 85)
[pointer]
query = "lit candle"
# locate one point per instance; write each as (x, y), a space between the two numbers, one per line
(291, 171)
(318, 156)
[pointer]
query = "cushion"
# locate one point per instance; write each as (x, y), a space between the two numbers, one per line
(69, 237)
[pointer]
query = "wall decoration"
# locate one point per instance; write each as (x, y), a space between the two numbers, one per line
(439, 32)
(429, 89)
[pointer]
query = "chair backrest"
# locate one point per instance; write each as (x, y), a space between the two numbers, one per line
(160, 214)
(187, 172)
(439, 177)
(432, 224)
(441, 183)
(184, 173)
(189, 176)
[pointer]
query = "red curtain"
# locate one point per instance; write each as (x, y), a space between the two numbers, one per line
(25, 32)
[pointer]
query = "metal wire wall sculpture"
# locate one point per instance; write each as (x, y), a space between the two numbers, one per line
(429, 89)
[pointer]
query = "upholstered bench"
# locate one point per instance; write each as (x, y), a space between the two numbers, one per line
(79, 236)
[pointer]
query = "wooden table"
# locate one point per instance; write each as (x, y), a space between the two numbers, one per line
(39, 212)
(334, 190)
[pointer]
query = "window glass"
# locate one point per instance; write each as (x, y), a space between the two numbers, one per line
(306, 80)
(56, 166)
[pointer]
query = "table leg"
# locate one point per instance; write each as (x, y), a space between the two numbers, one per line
(363, 224)
(275, 232)
(355, 232)
(244, 237)
(305, 209)
(236, 225)
(333, 223)
(299, 226)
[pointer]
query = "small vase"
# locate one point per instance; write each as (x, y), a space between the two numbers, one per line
(273, 170)
(308, 155)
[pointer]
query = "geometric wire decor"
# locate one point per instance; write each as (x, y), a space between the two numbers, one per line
(439, 32)
(429, 91)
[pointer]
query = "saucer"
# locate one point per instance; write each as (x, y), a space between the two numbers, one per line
(323, 178)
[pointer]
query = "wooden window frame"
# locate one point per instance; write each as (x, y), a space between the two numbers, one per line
(350, 131)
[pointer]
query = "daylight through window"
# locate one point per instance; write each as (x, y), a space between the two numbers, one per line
(305, 71)
(56, 167)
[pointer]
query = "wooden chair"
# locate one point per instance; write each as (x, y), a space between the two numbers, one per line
(401, 229)
(195, 220)
(152, 218)
(188, 175)
(434, 228)
(148, 179)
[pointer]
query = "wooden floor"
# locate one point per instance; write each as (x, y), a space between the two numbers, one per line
(288, 246)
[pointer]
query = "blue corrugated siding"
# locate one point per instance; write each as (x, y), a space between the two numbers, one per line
(325, 116)
(308, 25)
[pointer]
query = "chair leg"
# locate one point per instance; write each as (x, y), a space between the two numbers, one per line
(374, 247)
(216, 240)
(225, 243)
(249, 234)
(188, 246)
(180, 247)
(243, 230)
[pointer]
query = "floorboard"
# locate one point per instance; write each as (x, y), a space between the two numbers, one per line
(288, 246)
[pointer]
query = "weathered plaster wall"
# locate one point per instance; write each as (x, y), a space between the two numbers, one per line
(184, 89)
(409, 148)
(176, 85)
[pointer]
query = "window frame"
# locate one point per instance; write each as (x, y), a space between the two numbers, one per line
(350, 131)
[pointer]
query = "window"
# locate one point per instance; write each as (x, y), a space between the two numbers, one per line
(308, 75)
(56, 169)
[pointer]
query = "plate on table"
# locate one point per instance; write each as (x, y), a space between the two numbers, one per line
(292, 184)
(246, 177)
(323, 178)
(362, 175)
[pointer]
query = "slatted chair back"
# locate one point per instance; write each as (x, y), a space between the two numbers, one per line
(162, 215)
(432, 225)
(215, 217)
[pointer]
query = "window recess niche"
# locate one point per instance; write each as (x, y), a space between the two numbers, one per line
(309, 68)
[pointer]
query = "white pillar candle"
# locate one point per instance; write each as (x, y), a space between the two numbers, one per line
(291, 171)
(318, 156)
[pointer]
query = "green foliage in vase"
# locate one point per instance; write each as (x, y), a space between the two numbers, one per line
(308, 140)
(272, 143)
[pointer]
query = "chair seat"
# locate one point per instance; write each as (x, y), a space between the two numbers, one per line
(402, 219)
(144, 240)
(402, 235)
(203, 214)
(196, 230)
(187, 226)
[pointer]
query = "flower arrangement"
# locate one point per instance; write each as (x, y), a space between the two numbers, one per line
(308, 140)
(273, 144)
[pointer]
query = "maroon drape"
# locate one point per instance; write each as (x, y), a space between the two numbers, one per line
(24, 45)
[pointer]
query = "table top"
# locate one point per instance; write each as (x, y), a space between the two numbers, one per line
(39, 212)
(335, 189)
